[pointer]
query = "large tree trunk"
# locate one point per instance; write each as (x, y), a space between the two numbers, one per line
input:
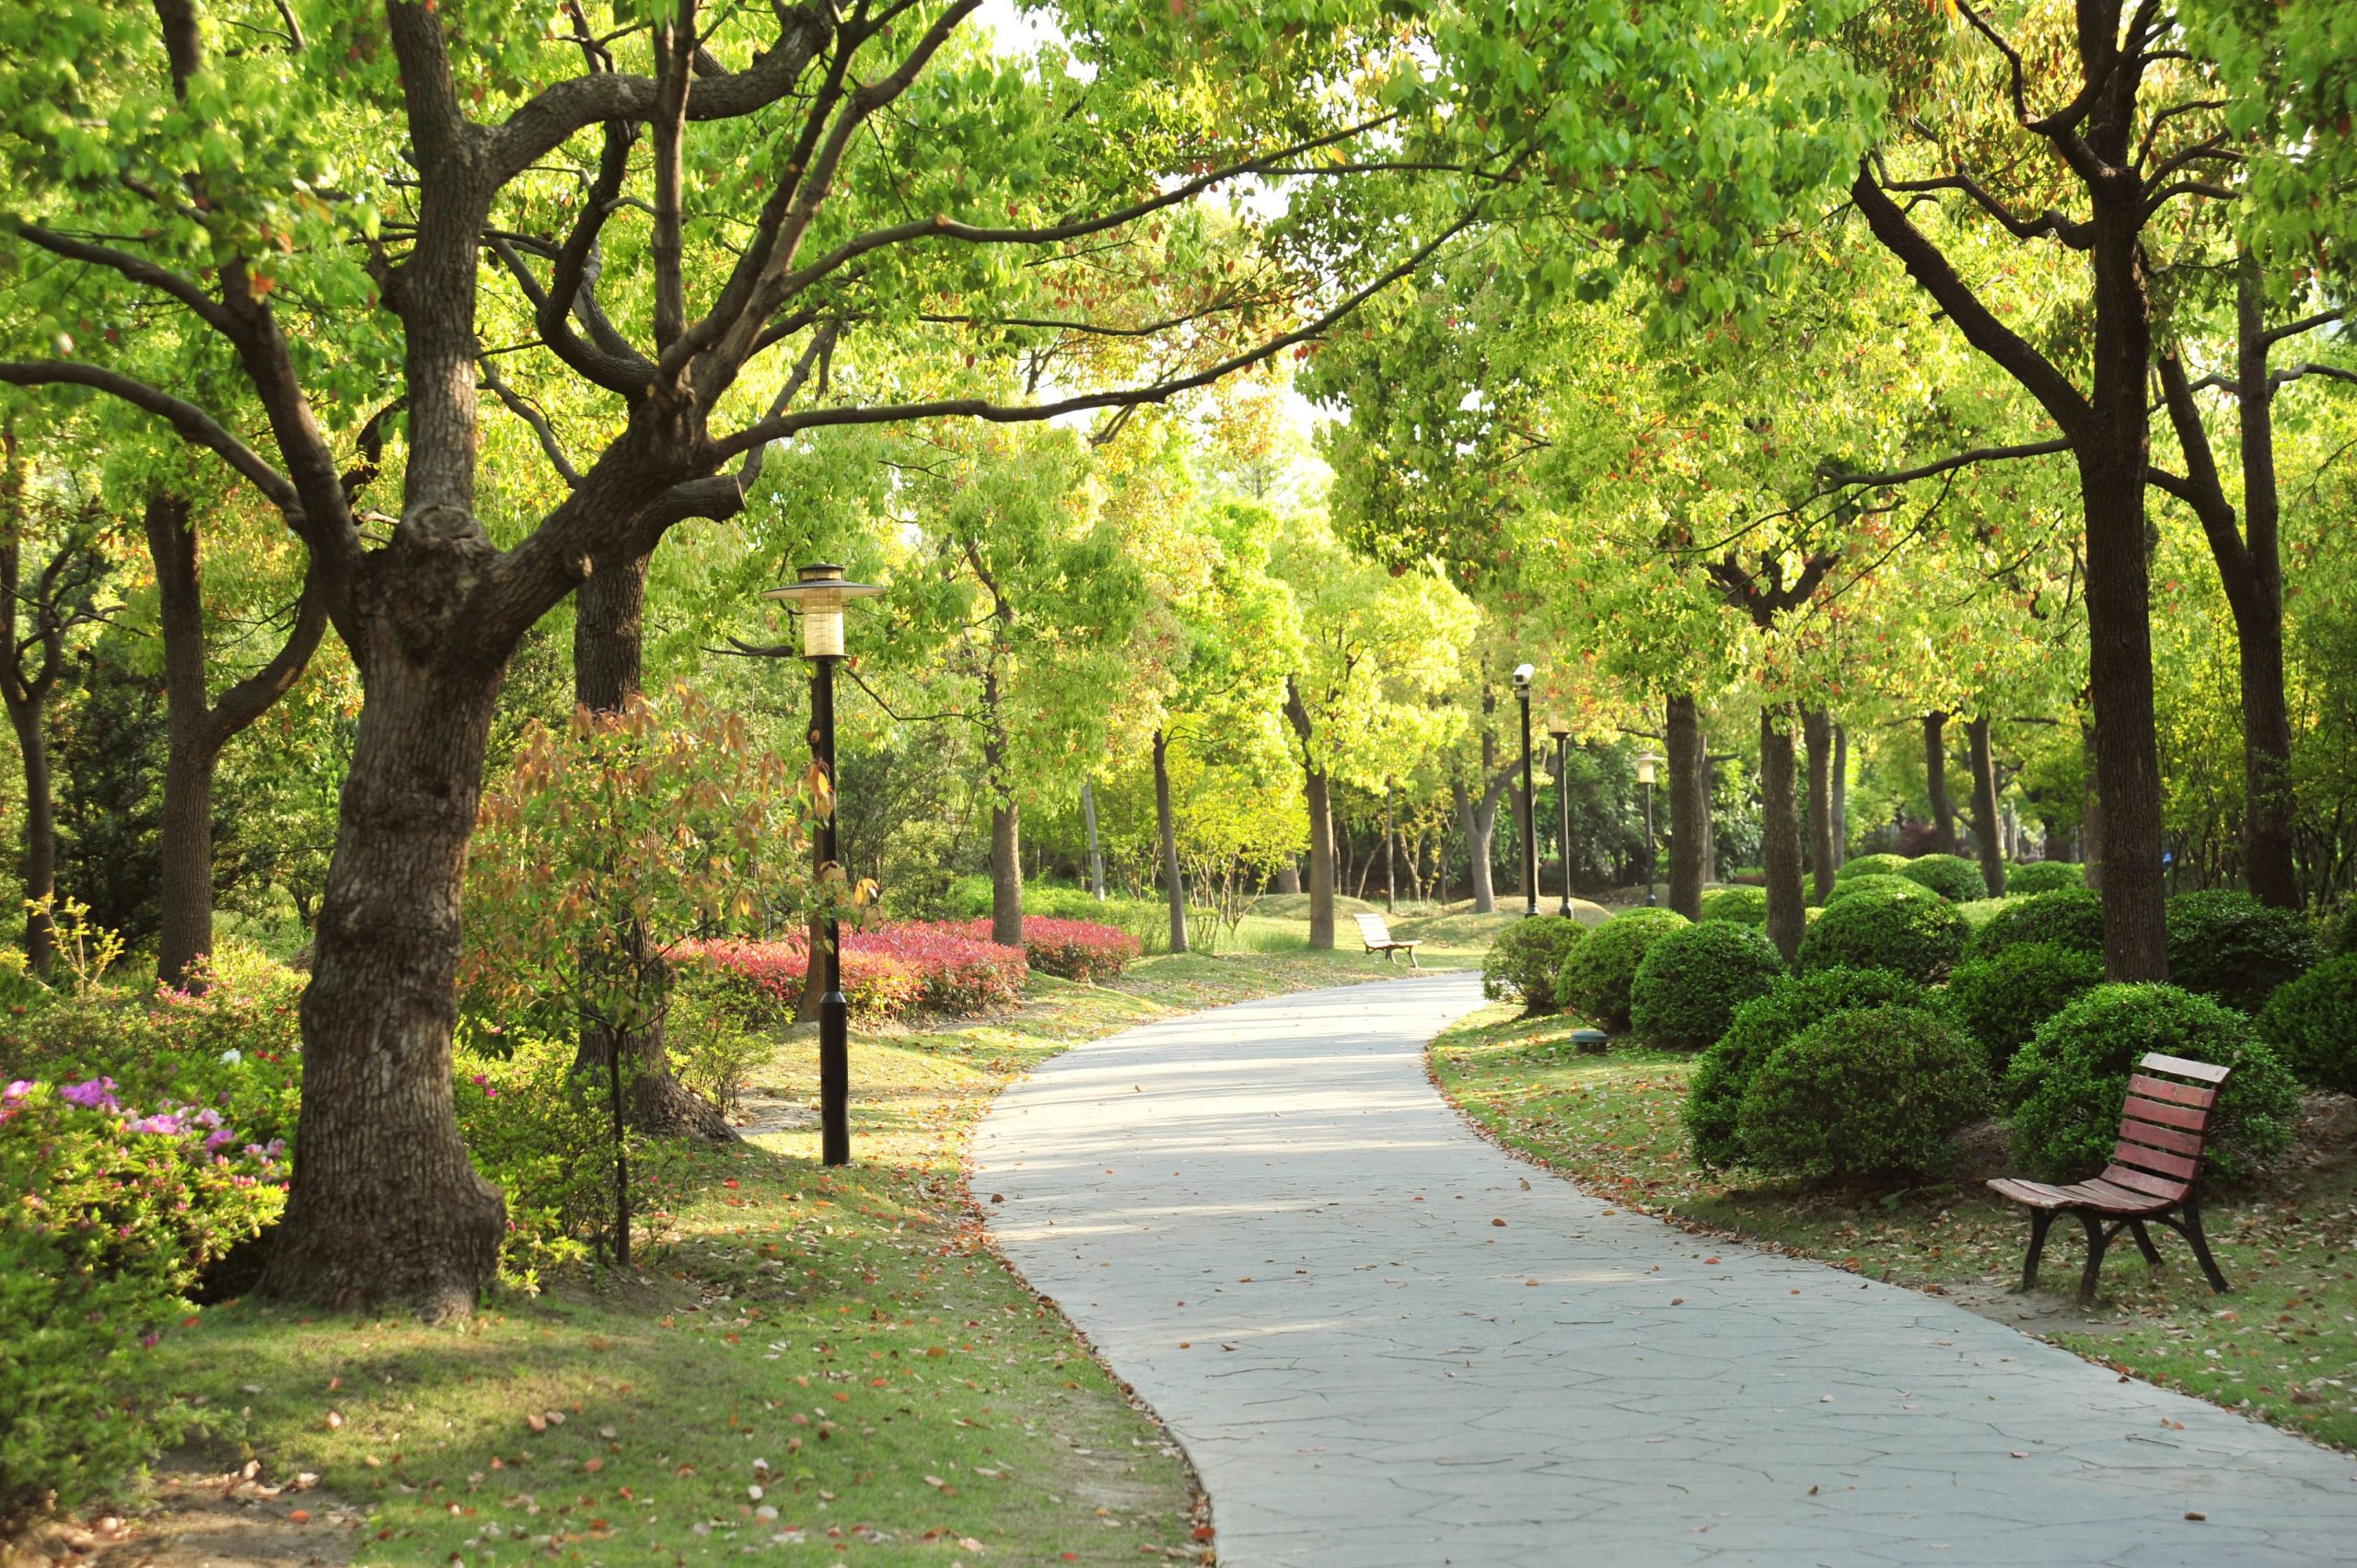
(1689, 808)
(1841, 796)
(1780, 849)
(2120, 668)
(385, 1206)
(1935, 782)
(1321, 823)
(1166, 824)
(1006, 822)
(2091, 815)
(1818, 729)
(1986, 828)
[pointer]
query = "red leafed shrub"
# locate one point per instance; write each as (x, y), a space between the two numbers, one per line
(878, 986)
(1075, 949)
(888, 972)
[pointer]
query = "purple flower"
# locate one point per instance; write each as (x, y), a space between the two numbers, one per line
(16, 1091)
(208, 1117)
(220, 1140)
(164, 1126)
(97, 1094)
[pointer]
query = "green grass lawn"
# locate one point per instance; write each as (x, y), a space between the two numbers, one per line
(832, 1361)
(2283, 1346)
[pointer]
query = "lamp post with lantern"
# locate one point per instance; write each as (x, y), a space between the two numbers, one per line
(1522, 674)
(1560, 728)
(819, 592)
(1647, 763)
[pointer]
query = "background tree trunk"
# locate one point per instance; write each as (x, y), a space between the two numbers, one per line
(1935, 782)
(1841, 796)
(1095, 852)
(1166, 830)
(1780, 847)
(1689, 807)
(1289, 877)
(1818, 729)
(1986, 829)
(1321, 825)
(39, 861)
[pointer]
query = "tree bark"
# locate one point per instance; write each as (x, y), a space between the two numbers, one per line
(1986, 830)
(1289, 877)
(2091, 833)
(40, 862)
(1818, 729)
(1780, 849)
(1689, 808)
(1006, 822)
(1935, 782)
(1841, 796)
(1096, 854)
(1321, 825)
(1166, 829)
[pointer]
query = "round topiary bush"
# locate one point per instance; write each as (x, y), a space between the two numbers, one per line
(1892, 886)
(2312, 1023)
(1915, 937)
(1521, 963)
(2067, 1085)
(2045, 876)
(2002, 999)
(1871, 866)
(2229, 946)
(1793, 1002)
(1595, 980)
(1872, 1091)
(1747, 906)
(1951, 876)
(1693, 978)
(2071, 917)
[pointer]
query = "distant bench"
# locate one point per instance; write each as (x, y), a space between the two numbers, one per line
(1378, 939)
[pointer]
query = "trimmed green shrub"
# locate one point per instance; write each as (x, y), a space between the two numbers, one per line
(2228, 945)
(1595, 980)
(1694, 976)
(1893, 887)
(1793, 1002)
(1951, 876)
(2067, 1085)
(1869, 1091)
(1917, 937)
(1521, 963)
(2002, 999)
(1871, 866)
(2312, 1023)
(2069, 917)
(2045, 876)
(1746, 906)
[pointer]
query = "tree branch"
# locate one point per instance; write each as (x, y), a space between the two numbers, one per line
(137, 269)
(194, 425)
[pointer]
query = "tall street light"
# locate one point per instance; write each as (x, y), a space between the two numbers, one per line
(1560, 728)
(819, 592)
(1522, 674)
(1647, 763)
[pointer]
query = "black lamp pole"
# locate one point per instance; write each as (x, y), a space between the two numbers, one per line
(1529, 800)
(1649, 840)
(834, 1010)
(1563, 812)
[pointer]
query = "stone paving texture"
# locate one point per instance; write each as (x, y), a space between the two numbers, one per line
(1385, 1342)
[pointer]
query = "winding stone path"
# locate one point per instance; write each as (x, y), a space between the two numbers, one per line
(1273, 1227)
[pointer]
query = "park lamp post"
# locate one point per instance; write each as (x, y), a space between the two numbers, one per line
(1522, 674)
(1647, 763)
(1560, 728)
(819, 592)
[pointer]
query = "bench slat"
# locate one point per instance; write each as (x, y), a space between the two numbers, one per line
(2158, 1137)
(2208, 1071)
(2158, 1161)
(2176, 1094)
(2157, 1186)
(2140, 1110)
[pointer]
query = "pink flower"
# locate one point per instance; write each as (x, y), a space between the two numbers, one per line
(97, 1093)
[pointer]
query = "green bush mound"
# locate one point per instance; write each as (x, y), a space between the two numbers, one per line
(2069, 917)
(1866, 1092)
(1694, 976)
(1521, 963)
(2228, 945)
(1871, 866)
(1595, 980)
(2045, 876)
(2002, 999)
(2065, 1087)
(1793, 1002)
(1951, 876)
(1914, 936)
(1746, 906)
(2312, 1023)
(1889, 886)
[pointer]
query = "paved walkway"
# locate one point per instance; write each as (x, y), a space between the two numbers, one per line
(1384, 1343)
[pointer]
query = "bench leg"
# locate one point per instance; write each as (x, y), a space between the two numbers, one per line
(2099, 1239)
(2201, 1248)
(1411, 959)
(2039, 1219)
(2144, 1243)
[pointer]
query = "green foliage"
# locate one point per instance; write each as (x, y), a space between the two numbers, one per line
(1527, 957)
(1868, 1092)
(2068, 917)
(1914, 936)
(1872, 865)
(2045, 876)
(1747, 906)
(712, 1033)
(1694, 976)
(2002, 998)
(2066, 1086)
(2312, 1023)
(1793, 1002)
(1951, 876)
(1883, 885)
(1595, 981)
(2228, 945)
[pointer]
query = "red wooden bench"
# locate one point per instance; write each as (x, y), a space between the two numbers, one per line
(2154, 1177)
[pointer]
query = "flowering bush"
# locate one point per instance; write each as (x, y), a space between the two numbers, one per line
(878, 986)
(888, 972)
(1075, 949)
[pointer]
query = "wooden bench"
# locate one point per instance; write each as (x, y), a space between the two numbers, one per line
(1378, 939)
(2154, 1173)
